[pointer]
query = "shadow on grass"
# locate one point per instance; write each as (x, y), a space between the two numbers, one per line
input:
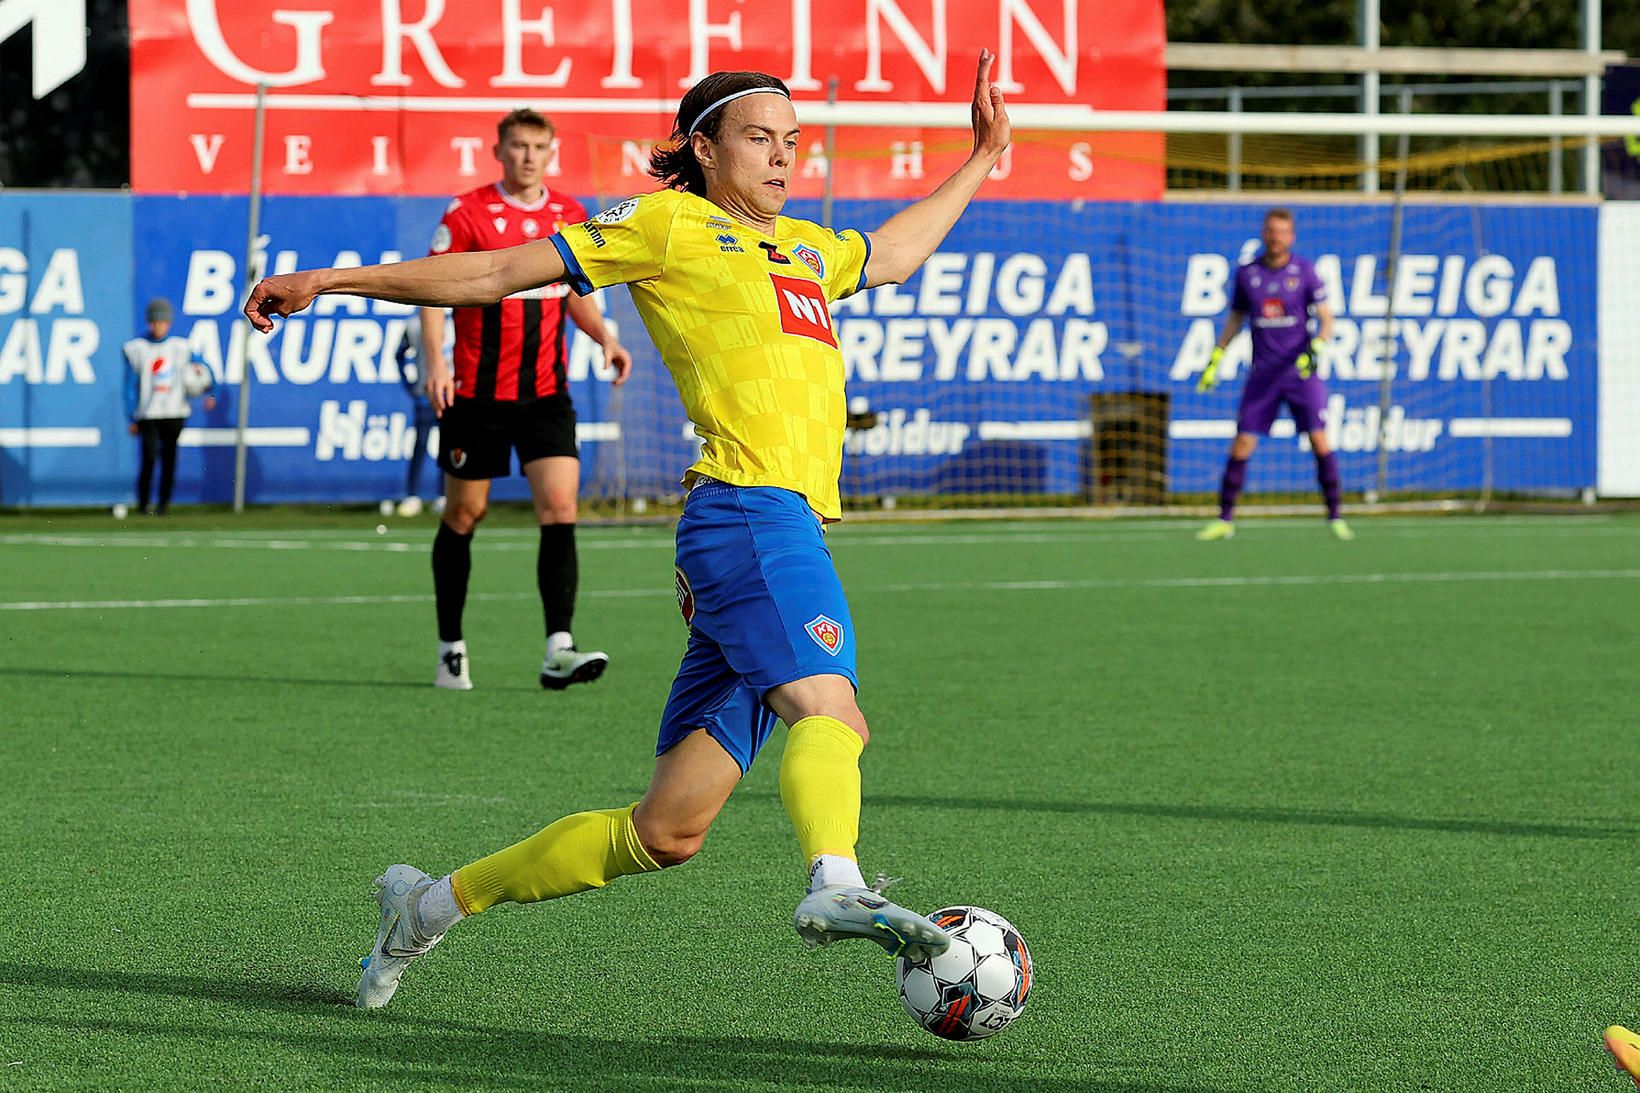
(394, 1046)
(1246, 814)
(81, 674)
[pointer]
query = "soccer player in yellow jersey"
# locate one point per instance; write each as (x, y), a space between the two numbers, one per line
(736, 299)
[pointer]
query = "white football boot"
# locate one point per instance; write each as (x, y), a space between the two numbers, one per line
(453, 672)
(570, 665)
(842, 911)
(410, 506)
(399, 939)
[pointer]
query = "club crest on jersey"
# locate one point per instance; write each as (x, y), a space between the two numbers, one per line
(803, 308)
(811, 258)
(826, 634)
(617, 213)
(686, 596)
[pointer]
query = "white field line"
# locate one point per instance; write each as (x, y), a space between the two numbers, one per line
(590, 534)
(510, 539)
(1267, 581)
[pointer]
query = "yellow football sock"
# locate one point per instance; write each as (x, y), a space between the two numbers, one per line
(820, 786)
(586, 850)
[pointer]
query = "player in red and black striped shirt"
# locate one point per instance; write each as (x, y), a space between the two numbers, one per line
(508, 391)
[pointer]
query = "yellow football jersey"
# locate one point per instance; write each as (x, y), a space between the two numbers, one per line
(742, 321)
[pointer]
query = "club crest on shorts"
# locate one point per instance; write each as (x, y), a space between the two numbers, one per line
(811, 258)
(686, 596)
(458, 458)
(826, 634)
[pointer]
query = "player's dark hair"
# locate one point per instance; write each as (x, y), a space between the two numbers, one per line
(674, 163)
(1279, 214)
(525, 117)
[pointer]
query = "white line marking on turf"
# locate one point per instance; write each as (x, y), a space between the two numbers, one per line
(1269, 581)
(1273, 580)
(513, 539)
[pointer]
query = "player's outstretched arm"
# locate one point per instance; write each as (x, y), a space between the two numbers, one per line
(465, 279)
(911, 235)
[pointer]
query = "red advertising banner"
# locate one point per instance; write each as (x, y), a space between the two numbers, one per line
(402, 96)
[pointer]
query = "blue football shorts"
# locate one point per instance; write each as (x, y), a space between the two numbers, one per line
(764, 606)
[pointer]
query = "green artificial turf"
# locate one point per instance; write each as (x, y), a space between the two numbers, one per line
(1280, 813)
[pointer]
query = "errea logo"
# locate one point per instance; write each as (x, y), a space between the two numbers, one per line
(803, 309)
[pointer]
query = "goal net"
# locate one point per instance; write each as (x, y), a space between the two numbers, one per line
(1048, 354)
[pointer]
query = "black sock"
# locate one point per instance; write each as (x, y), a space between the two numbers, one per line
(557, 573)
(452, 562)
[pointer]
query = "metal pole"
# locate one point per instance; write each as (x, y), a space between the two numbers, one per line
(831, 157)
(242, 328)
(1366, 26)
(1234, 142)
(1591, 96)
(1557, 169)
(1391, 261)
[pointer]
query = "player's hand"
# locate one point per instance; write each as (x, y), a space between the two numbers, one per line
(210, 402)
(441, 383)
(619, 358)
(281, 295)
(133, 429)
(992, 131)
(1307, 360)
(1210, 374)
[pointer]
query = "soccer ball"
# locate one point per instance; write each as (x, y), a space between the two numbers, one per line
(196, 380)
(978, 985)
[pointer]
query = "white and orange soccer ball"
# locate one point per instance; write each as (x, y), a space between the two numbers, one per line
(976, 987)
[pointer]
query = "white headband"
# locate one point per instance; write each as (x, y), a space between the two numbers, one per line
(733, 95)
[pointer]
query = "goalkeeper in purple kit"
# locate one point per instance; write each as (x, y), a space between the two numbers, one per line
(1279, 290)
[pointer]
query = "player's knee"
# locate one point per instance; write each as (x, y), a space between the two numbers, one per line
(672, 844)
(1318, 442)
(851, 716)
(858, 723)
(463, 519)
(1243, 446)
(556, 509)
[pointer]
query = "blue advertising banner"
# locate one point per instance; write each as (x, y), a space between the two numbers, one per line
(331, 417)
(1477, 367)
(65, 307)
(1035, 330)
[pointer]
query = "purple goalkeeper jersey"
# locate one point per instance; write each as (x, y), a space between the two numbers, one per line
(1277, 302)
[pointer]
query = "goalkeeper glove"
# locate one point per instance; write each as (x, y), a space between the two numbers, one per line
(1306, 360)
(1210, 374)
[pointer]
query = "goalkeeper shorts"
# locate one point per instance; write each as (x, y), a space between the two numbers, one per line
(1268, 389)
(764, 606)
